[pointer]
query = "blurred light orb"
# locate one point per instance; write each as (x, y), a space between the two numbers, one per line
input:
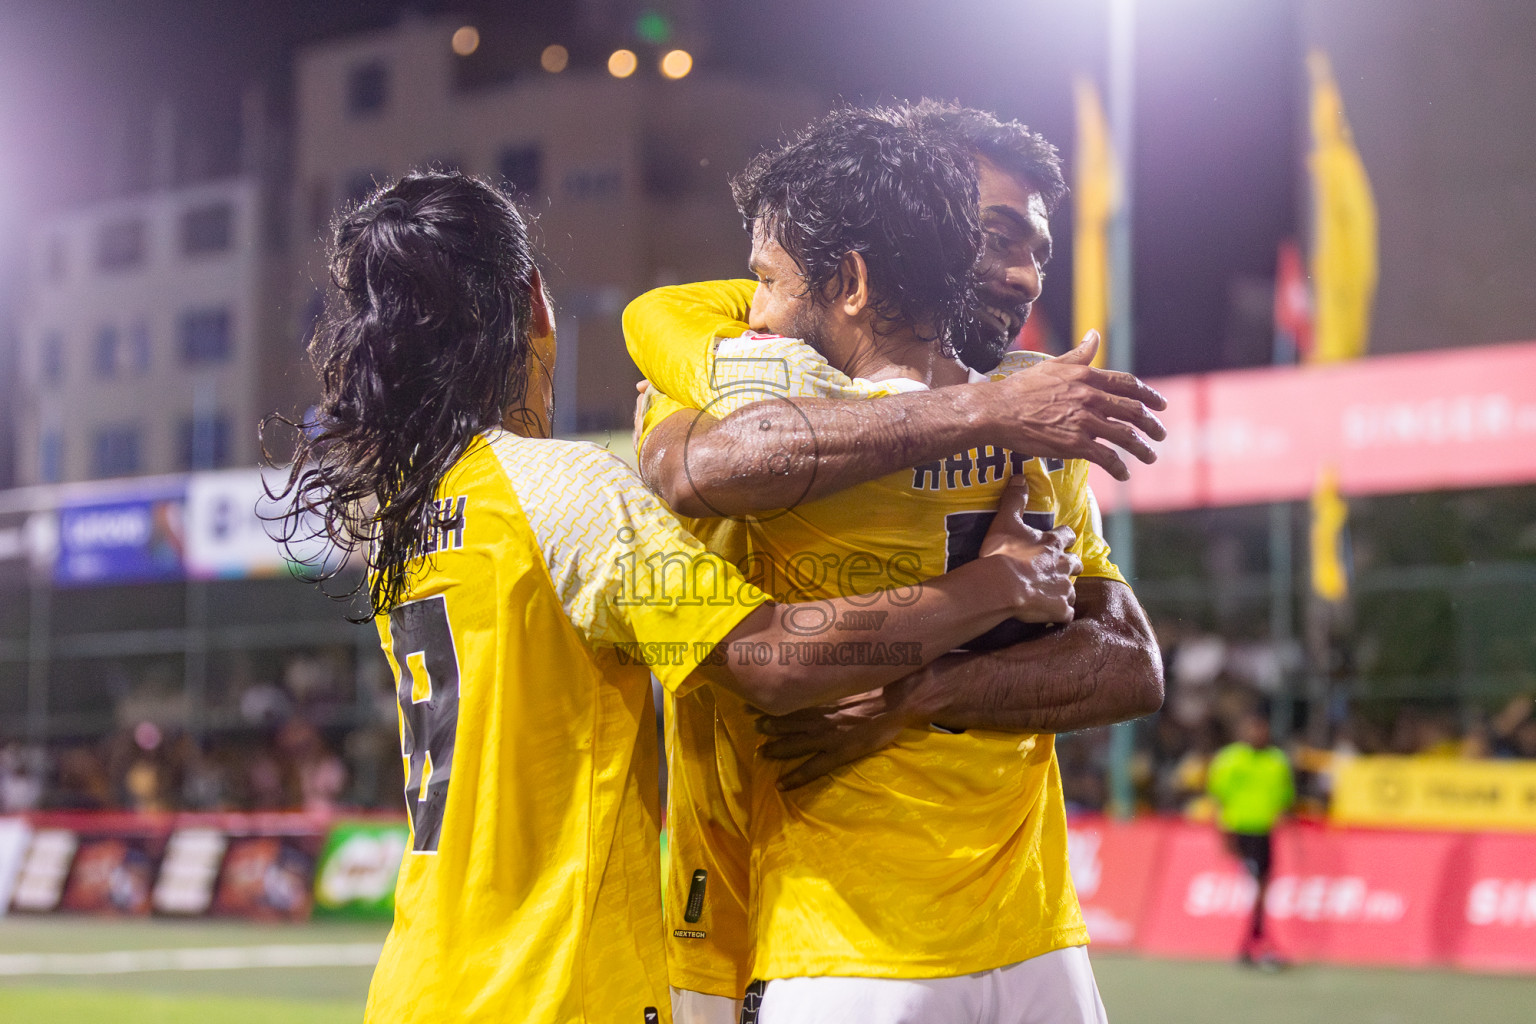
(554, 58)
(653, 27)
(147, 735)
(466, 40)
(622, 63)
(676, 63)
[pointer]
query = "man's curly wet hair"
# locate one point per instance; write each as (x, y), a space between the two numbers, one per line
(890, 189)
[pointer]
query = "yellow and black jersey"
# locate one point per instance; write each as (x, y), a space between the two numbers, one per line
(942, 854)
(522, 656)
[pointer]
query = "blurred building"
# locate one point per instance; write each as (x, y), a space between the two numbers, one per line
(625, 178)
(144, 319)
(139, 336)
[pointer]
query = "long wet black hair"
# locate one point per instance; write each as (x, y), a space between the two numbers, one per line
(423, 345)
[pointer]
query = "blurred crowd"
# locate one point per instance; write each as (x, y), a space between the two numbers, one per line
(288, 743)
(1212, 682)
(291, 767)
(293, 750)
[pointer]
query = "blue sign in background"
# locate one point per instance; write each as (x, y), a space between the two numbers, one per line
(136, 540)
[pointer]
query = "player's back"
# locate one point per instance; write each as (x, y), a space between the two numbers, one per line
(529, 890)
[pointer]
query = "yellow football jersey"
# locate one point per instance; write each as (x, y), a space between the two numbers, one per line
(941, 855)
(522, 656)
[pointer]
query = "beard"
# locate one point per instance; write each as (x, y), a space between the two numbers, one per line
(807, 321)
(981, 342)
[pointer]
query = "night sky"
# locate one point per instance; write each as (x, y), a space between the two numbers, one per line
(1217, 88)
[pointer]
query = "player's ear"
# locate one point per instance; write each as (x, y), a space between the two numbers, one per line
(852, 284)
(543, 317)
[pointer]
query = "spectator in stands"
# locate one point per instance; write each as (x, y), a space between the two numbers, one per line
(1251, 782)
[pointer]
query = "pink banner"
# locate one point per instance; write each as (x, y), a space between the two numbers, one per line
(1451, 418)
(1114, 864)
(1492, 904)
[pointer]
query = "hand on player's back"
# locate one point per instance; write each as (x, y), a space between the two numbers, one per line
(1040, 558)
(1064, 407)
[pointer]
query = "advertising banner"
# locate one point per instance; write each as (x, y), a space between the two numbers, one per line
(1452, 418)
(15, 838)
(1343, 897)
(233, 528)
(1435, 793)
(44, 868)
(358, 868)
(114, 873)
(1492, 900)
(135, 539)
(1114, 864)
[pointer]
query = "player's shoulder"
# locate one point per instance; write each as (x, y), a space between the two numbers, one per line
(1015, 360)
(545, 461)
(763, 345)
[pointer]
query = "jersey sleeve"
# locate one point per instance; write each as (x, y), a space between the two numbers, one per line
(1078, 509)
(1076, 506)
(671, 333)
(627, 574)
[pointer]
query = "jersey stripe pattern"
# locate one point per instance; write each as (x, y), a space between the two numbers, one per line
(522, 657)
(942, 855)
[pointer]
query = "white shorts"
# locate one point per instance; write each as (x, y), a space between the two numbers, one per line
(1053, 988)
(689, 1007)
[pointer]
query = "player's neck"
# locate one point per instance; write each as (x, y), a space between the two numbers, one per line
(905, 352)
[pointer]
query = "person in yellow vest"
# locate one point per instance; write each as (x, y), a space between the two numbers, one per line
(1251, 782)
(524, 590)
(829, 426)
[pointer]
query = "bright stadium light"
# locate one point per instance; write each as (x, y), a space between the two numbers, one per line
(677, 63)
(466, 40)
(554, 58)
(622, 63)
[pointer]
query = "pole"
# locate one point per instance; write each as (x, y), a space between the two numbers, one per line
(1282, 624)
(1121, 356)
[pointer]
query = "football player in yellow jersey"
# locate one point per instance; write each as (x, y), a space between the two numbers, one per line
(524, 590)
(944, 856)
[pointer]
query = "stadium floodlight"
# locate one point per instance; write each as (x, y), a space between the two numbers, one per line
(466, 40)
(554, 58)
(622, 63)
(676, 63)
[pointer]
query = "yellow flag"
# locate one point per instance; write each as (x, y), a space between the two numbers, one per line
(1344, 226)
(1330, 514)
(1096, 197)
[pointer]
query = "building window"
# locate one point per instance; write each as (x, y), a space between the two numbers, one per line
(120, 245)
(205, 336)
(106, 352)
(50, 457)
(115, 452)
(52, 358)
(136, 351)
(522, 169)
(593, 183)
(207, 229)
(204, 442)
(367, 87)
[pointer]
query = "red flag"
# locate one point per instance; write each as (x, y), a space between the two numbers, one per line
(1293, 305)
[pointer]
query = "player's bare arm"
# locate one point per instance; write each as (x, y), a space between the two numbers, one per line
(775, 452)
(1023, 574)
(1100, 668)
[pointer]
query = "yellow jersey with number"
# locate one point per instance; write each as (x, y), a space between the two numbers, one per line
(522, 656)
(943, 854)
